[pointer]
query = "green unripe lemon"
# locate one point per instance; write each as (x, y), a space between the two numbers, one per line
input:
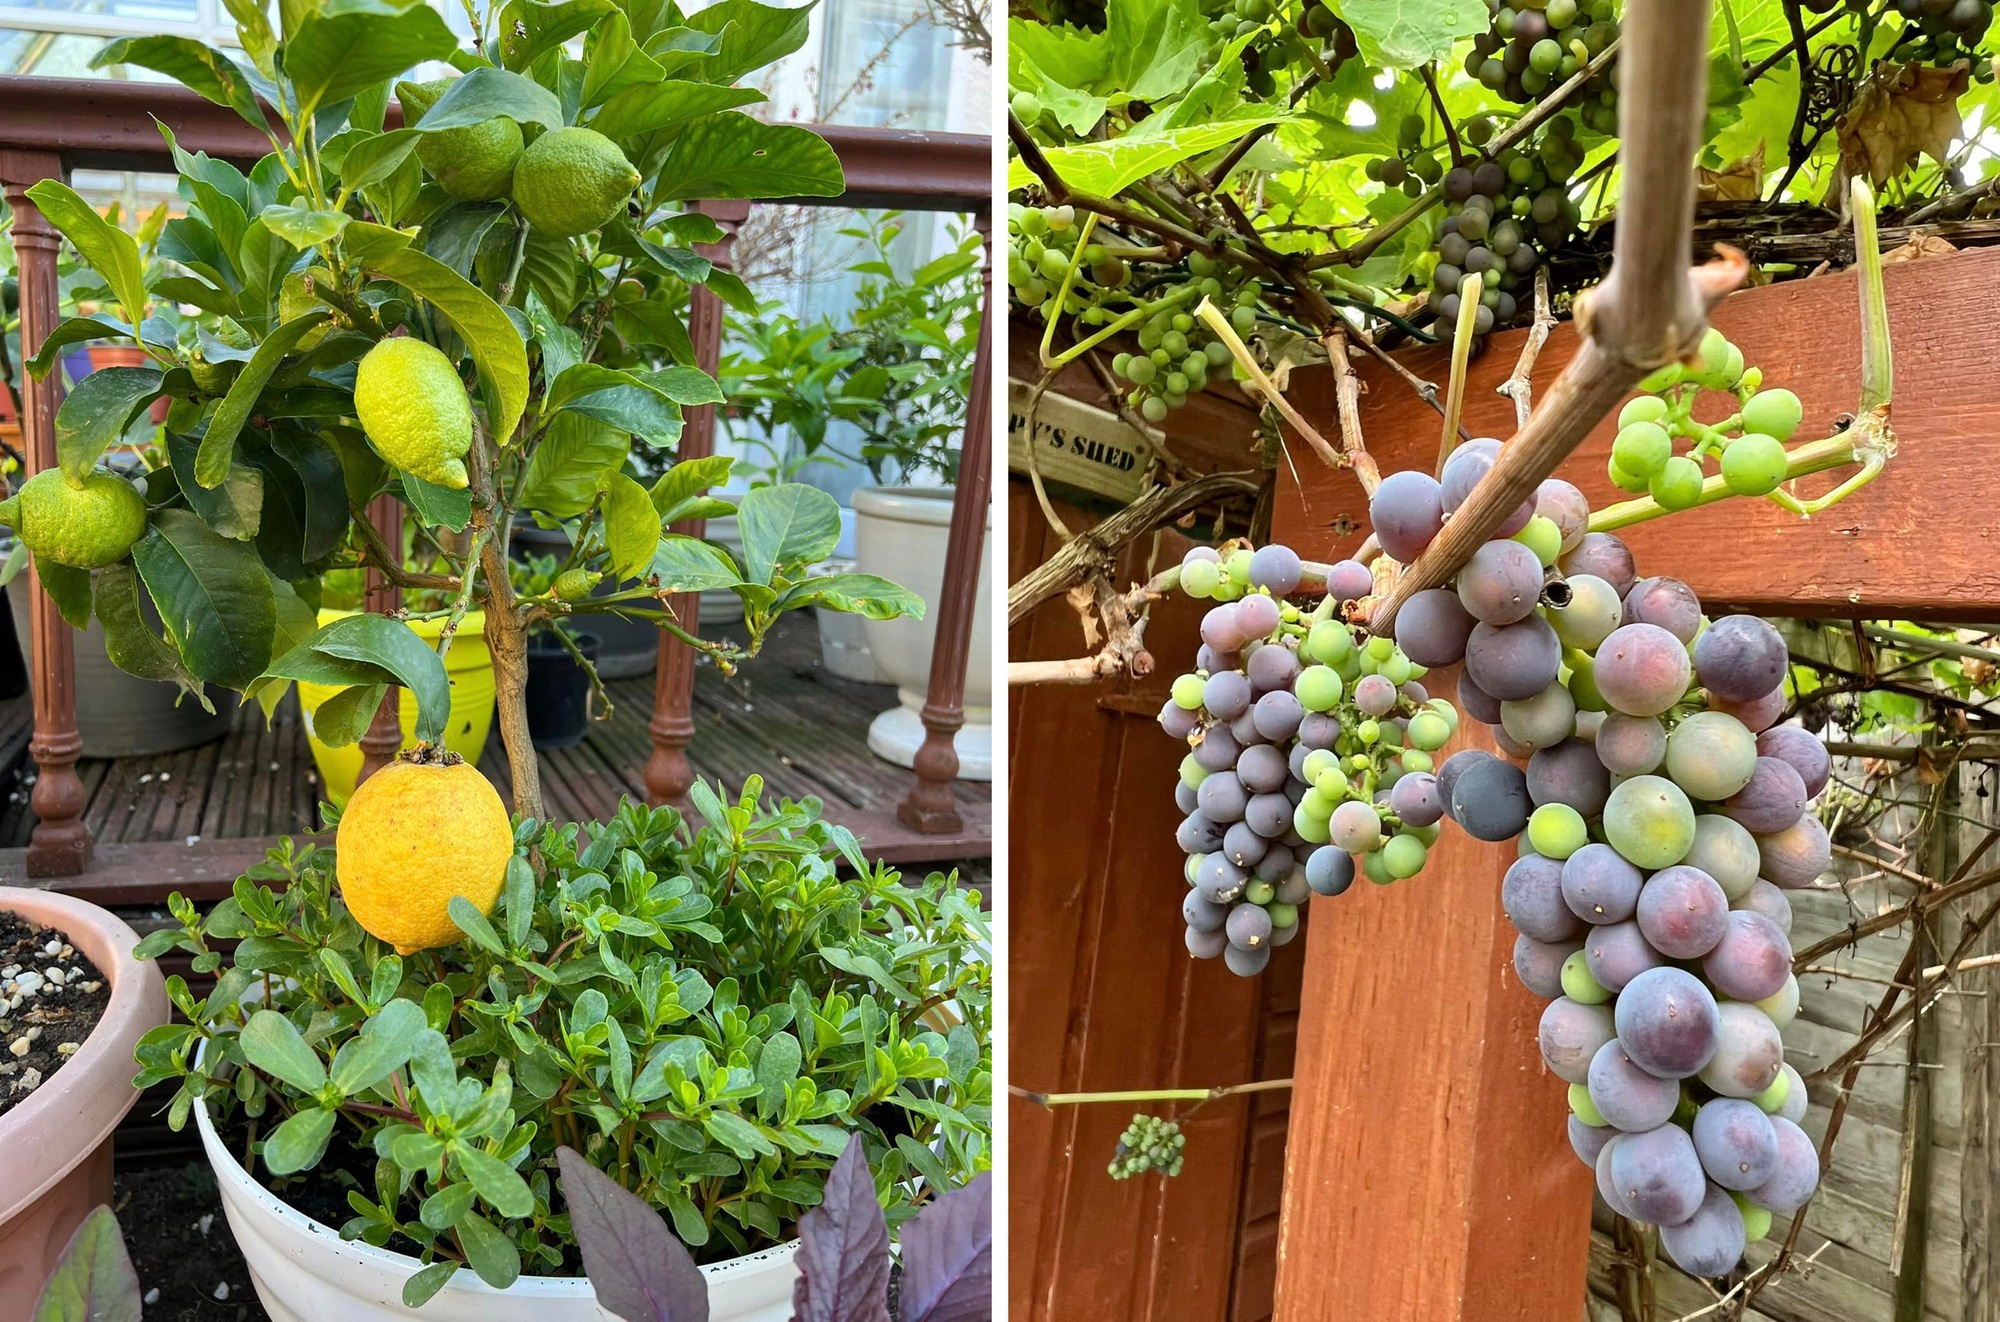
(414, 408)
(476, 161)
(571, 181)
(85, 527)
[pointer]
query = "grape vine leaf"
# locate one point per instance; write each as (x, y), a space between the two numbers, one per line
(1149, 49)
(1103, 168)
(1900, 114)
(1403, 34)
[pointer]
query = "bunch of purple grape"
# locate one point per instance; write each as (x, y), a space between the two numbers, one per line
(1309, 748)
(1662, 812)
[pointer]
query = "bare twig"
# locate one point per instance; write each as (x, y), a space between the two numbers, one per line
(1650, 311)
(1347, 397)
(1518, 387)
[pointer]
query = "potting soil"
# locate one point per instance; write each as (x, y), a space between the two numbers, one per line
(51, 997)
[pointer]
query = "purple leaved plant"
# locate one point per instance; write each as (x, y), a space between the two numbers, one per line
(643, 1274)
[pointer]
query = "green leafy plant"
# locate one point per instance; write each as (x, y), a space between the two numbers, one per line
(897, 368)
(706, 1008)
(373, 326)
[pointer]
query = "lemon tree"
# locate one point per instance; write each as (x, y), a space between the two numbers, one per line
(468, 293)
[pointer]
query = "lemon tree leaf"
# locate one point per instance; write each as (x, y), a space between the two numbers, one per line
(631, 525)
(95, 414)
(296, 621)
(688, 564)
(489, 334)
(302, 227)
(733, 155)
(438, 506)
(191, 64)
(485, 94)
(130, 643)
(648, 107)
(530, 29)
(218, 444)
(786, 524)
(751, 35)
(345, 717)
(233, 507)
(111, 252)
(688, 479)
(860, 594)
(568, 466)
(68, 588)
(342, 47)
(73, 330)
(375, 158)
(212, 595)
(374, 649)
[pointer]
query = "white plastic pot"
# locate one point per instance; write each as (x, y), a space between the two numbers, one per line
(901, 534)
(305, 1272)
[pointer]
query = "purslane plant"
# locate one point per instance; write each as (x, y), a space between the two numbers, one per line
(708, 1008)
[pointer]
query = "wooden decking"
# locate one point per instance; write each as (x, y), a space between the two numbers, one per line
(201, 814)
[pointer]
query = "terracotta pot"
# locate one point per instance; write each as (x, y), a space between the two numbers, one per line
(55, 1147)
(127, 355)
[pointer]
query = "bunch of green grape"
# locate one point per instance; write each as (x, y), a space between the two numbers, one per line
(1310, 748)
(1535, 45)
(1503, 218)
(1661, 448)
(1148, 1144)
(1951, 30)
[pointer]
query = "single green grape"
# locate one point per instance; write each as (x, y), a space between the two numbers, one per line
(1642, 449)
(1754, 464)
(1623, 480)
(1646, 408)
(1428, 732)
(1192, 772)
(1283, 915)
(1239, 567)
(1775, 413)
(1580, 984)
(1187, 691)
(1318, 762)
(1677, 486)
(1543, 537)
(1381, 647)
(1403, 856)
(1772, 1100)
(1376, 868)
(1415, 759)
(1260, 892)
(1329, 641)
(1200, 577)
(1583, 1108)
(1557, 830)
(1318, 688)
(1154, 409)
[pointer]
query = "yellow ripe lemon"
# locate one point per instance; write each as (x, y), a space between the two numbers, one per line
(414, 408)
(413, 836)
(87, 526)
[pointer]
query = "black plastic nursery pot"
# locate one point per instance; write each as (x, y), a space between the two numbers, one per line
(558, 689)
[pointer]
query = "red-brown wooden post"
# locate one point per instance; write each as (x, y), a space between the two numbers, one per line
(929, 807)
(60, 845)
(668, 774)
(379, 596)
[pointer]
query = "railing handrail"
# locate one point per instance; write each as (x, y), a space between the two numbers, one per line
(104, 123)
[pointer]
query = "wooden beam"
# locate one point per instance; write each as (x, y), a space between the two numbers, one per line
(1428, 1175)
(108, 124)
(1919, 542)
(147, 873)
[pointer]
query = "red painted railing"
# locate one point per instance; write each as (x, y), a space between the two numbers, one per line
(49, 126)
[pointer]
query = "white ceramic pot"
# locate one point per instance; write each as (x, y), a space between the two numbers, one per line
(901, 534)
(305, 1272)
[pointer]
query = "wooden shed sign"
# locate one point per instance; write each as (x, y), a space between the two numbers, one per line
(1075, 445)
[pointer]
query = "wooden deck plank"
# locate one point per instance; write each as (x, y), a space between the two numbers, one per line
(781, 717)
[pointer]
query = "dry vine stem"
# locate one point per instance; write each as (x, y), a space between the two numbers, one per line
(1650, 310)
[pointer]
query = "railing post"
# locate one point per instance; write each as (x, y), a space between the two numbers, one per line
(930, 808)
(379, 596)
(668, 774)
(60, 845)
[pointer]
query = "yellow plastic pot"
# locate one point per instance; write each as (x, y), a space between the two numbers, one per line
(469, 666)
